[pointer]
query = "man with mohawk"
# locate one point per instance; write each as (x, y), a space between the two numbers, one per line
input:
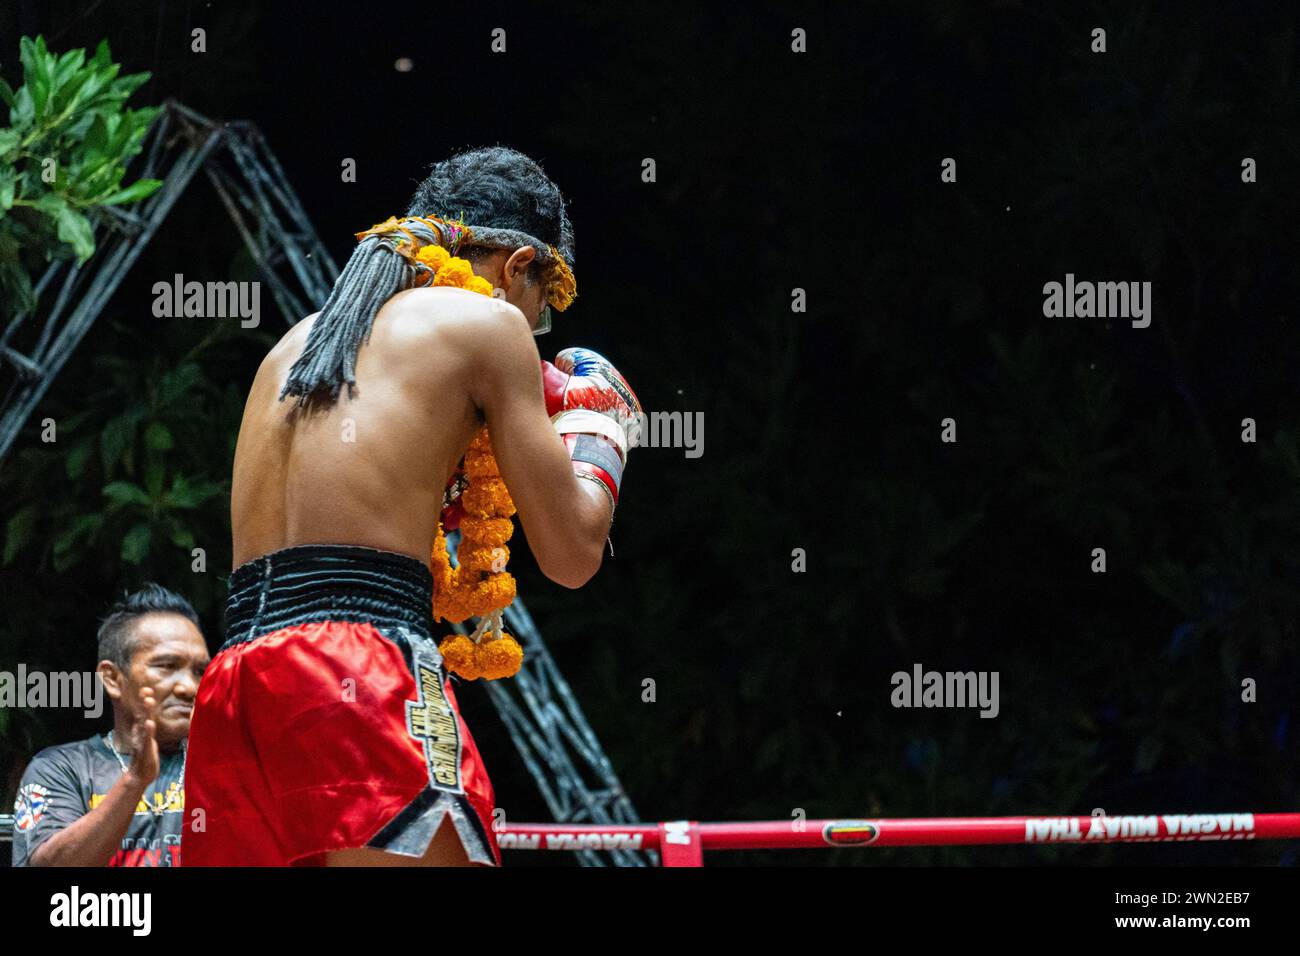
(326, 731)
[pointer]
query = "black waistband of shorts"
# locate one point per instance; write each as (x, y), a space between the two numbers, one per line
(327, 582)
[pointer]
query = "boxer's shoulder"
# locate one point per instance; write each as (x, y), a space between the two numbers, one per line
(447, 306)
(292, 341)
(464, 320)
(275, 363)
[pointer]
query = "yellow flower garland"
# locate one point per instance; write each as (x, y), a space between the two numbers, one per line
(480, 586)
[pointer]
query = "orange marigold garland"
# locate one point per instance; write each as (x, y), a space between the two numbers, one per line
(479, 586)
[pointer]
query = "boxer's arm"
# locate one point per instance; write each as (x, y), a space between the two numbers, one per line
(565, 518)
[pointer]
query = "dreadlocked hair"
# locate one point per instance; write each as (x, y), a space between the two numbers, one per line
(372, 276)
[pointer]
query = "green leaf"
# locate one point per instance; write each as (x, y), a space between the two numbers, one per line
(6, 92)
(186, 495)
(18, 285)
(155, 472)
(75, 465)
(181, 494)
(64, 560)
(103, 56)
(51, 205)
(85, 527)
(125, 86)
(180, 535)
(66, 81)
(18, 531)
(157, 436)
(9, 140)
(121, 493)
(68, 101)
(38, 68)
(114, 441)
(138, 190)
(76, 231)
(99, 94)
(8, 185)
(23, 113)
(177, 383)
(96, 141)
(135, 546)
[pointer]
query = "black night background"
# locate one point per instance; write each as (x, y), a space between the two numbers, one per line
(1120, 690)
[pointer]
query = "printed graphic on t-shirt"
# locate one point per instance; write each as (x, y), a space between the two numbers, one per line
(30, 806)
(64, 783)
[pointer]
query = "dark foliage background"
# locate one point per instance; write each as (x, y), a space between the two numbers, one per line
(777, 171)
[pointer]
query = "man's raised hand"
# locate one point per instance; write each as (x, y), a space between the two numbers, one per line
(144, 743)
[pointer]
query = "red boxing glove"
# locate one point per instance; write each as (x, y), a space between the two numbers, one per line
(591, 406)
(554, 382)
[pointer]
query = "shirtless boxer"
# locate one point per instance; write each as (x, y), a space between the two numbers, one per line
(302, 749)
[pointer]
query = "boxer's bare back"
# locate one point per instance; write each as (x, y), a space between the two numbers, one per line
(370, 469)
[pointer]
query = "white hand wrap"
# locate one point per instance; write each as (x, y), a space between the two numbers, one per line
(586, 422)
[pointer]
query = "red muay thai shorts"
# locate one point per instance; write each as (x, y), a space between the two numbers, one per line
(327, 721)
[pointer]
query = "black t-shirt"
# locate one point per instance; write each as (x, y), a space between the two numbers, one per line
(64, 783)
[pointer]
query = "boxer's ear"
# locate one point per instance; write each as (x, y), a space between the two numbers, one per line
(518, 267)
